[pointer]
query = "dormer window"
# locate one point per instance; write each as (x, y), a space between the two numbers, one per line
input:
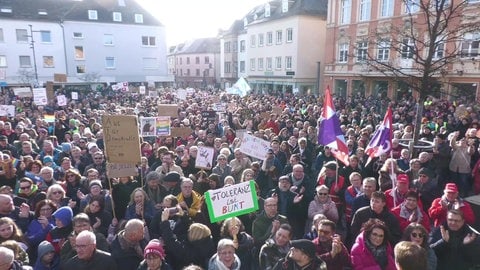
(92, 14)
(267, 10)
(138, 18)
(245, 22)
(284, 6)
(6, 10)
(42, 12)
(117, 16)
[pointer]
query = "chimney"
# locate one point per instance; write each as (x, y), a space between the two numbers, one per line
(121, 3)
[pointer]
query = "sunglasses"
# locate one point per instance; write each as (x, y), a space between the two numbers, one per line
(417, 235)
(322, 194)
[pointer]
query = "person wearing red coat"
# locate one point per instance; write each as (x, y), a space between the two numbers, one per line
(409, 211)
(450, 200)
(372, 250)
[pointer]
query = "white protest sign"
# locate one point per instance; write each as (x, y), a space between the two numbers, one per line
(204, 158)
(74, 95)
(40, 96)
(22, 92)
(62, 100)
(141, 89)
(231, 201)
(7, 110)
(254, 147)
(121, 170)
(182, 94)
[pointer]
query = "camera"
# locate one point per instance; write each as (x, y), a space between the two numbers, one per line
(172, 210)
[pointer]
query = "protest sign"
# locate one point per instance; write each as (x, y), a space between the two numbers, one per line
(231, 201)
(204, 158)
(122, 142)
(22, 92)
(40, 96)
(182, 94)
(254, 147)
(61, 100)
(162, 126)
(147, 125)
(7, 110)
(74, 95)
(121, 170)
(181, 131)
(168, 110)
(209, 116)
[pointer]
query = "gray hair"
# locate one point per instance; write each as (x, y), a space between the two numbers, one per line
(223, 243)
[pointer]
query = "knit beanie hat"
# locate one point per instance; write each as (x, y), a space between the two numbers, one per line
(47, 159)
(95, 183)
(64, 214)
(44, 247)
(66, 147)
(154, 247)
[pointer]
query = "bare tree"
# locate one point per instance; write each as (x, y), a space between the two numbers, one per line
(26, 76)
(90, 77)
(420, 47)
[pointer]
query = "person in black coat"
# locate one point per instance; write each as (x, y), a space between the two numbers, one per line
(128, 245)
(196, 249)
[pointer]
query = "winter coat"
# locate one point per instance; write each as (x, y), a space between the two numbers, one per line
(36, 233)
(215, 264)
(438, 214)
(362, 257)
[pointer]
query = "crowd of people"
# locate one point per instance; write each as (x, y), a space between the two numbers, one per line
(59, 209)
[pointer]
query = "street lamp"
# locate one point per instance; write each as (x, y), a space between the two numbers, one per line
(32, 45)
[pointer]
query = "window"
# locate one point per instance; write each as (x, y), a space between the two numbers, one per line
(242, 66)
(92, 15)
(42, 12)
(407, 48)
(48, 62)
(197, 60)
(235, 47)
(260, 63)
(269, 38)
(252, 64)
(197, 72)
(470, 45)
(188, 72)
(226, 47)
(267, 10)
(362, 51)
(279, 36)
(253, 41)
(412, 6)
(77, 35)
(260, 40)
(227, 67)
(3, 61)
(188, 60)
(108, 39)
(269, 63)
(181, 60)
(109, 62)
(138, 18)
(289, 34)
(383, 50)
(1, 35)
(343, 52)
(80, 69)
(117, 16)
(278, 62)
(288, 62)
(439, 48)
(242, 45)
(79, 55)
(386, 8)
(46, 36)
(345, 10)
(6, 10)
(150, 63)
(148, 41)
(22, 35)
(365, 7)
(25, 61)
(207, 60)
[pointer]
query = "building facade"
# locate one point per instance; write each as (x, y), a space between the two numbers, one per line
(280, 48)
(351, 24)
(196, 63)
(95, 41)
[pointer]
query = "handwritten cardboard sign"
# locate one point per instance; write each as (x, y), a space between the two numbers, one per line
(231, 201)
(204, 158)
(122, 142)
(181, 131)
(254, 147)
(121, 170)
(168, 110)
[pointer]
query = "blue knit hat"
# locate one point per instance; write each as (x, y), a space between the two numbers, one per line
(66, 147)
(47, 159)
(64, 214)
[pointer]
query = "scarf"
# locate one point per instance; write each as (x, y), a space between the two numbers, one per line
(379, 253)
(221, 266)
(450, 204)
(125, 245)
(406, 213)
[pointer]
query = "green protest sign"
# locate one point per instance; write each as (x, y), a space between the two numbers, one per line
(231, 201)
